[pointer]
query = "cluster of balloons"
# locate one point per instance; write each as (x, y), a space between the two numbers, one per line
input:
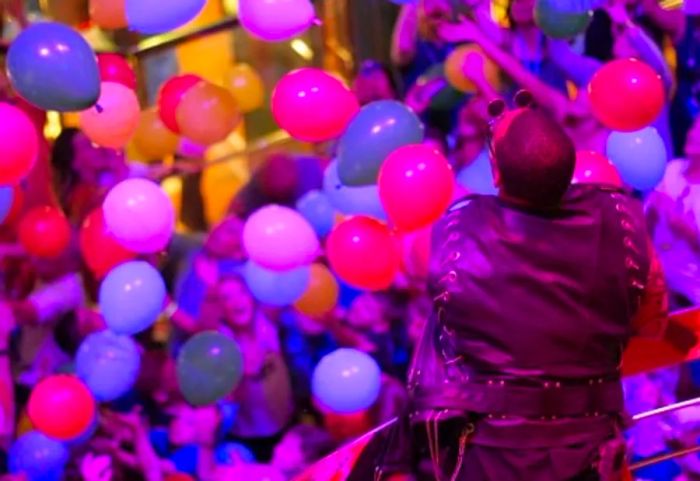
(346, 381)
(144, 16)
(184, 100)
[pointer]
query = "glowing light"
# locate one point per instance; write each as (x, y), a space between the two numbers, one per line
(302, 49)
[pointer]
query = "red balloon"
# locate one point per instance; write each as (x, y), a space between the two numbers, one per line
(313, 106)
(416, 253)
(115, 68)
(415, 185)
(99, 248)
(61, 407)
(171, 94)
(19, 144)
(363, 253)
(594, 168)
(44, 232)
(179, 477)
(343, 427)
(626, 95)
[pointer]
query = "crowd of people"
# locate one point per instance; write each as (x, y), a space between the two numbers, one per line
(271, 427)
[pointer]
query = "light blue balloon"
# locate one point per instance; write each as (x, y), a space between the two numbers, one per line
(7, 195)
(640, 157)
(108, 364)
(346, 381)
(38, 457)
(376, 131)
(53, 67)
(276, 288)
(352, 200)
(477, 177)
(132, 297)
(318, 210)
(155, 16)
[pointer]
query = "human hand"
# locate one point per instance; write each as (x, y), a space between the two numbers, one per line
(422, 93)
(473, 67)
(96, 468)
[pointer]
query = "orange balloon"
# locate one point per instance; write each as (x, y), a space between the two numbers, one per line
(246, 86)
(153, 140)
(114, 119)
(461, 58)
(207, 114)
(109, 14)
(321, 295)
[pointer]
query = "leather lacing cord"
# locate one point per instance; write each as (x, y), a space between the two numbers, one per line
(432, 427)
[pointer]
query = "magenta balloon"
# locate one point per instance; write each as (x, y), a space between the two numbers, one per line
(276, 20)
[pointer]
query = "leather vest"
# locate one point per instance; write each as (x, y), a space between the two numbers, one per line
(530, 295)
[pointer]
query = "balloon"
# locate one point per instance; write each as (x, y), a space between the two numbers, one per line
(376, 131)
(153, 139)
(321, 294)
(363, 253)
(417, 253)
(38, 457)
(44, 232)
(626, 95)
(594, 168)
(276, 288)
(279, 238)
(61, 407)
(460, 58)
(276, 20)
(352, 200)
(477, 177)
(246, 86)
(415, 185)
(108, 14)
(210, 102)
(152, 17)
(7, 196)
(640, 157)
(53, 67)
(313, 92)
(346, 381)
(113, 121)
(179, 477)
(100, 250)
(558, 23)
(115, 68)
(132, 297)
(170, 95)
(19, 144)
(140, 215)
(108, 364)
(209, 367)
(318, 210)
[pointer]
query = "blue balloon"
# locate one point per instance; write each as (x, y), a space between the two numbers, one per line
(233, 453)
(477, 177)
(132, 297)
(352, 200)
(7, 195)
(53, 67)
(376, 131)
(347, 294)
(318, 210)
(152, 16)
(640, 157)
(108, 364)
(38, 457)
(346, 381)
(276, 288)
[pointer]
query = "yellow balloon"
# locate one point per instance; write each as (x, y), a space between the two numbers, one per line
(220, 183)
(470, 56)
(207, 114)
(153, 140)
(246, 86)
(321, 295)
(113, 120)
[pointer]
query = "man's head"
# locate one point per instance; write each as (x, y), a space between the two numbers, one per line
(533, 158)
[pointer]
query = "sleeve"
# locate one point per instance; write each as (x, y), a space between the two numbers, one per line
(578, 68)
(58, 298)
(652, 317)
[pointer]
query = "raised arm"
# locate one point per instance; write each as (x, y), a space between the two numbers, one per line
(405, 36)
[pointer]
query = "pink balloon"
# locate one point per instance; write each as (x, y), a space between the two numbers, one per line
(279, 238)
(19, 144)
(312, 105)
(595, 168)
(140, 216)
(415, 186)
(114, 119)
(275, 20)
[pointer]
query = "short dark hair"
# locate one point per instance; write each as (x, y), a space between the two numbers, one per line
(534, 156)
